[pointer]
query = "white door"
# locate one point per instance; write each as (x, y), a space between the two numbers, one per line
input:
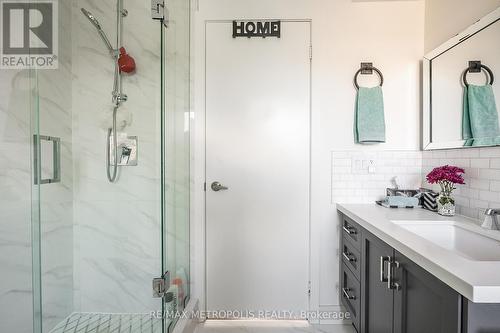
(258, 145)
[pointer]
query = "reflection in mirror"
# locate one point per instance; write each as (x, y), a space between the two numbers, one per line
(463, 92)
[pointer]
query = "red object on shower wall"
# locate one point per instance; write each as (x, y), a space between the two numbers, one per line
(125, 62)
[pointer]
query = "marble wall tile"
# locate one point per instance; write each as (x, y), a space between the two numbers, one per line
(117, 226)
(100, 242)
(15, 202)
(17, 121)
(56, 200)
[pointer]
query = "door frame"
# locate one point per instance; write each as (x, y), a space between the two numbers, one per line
(199, 205)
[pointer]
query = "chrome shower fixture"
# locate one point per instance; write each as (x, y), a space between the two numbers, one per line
(118, 97)
(91, 17)
(101, 32)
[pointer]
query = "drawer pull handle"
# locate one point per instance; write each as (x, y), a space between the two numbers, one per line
(346, 291)
(347, 257)
(350, 230)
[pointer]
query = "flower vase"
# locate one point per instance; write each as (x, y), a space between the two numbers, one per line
(446, 205)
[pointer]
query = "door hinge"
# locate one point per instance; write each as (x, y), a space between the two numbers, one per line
(161, 285)
(310, 52)
(309, 288)
(205, 187)
(159, 11)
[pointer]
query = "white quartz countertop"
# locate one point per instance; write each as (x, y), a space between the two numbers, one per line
(479, 281)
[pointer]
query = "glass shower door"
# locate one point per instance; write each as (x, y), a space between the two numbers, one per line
(177, 158)
(97, 245)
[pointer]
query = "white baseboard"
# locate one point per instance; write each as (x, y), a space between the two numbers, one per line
(188, 325)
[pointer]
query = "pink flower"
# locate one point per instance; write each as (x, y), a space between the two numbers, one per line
(446, 173)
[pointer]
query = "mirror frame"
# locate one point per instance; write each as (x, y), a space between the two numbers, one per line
(427, 143)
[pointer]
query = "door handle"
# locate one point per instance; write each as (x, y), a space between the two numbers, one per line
(389, 275)
(216, 187)
(390, 284)
(382, 268)
(56, 156)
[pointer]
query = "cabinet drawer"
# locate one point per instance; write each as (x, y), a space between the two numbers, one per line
(351, 257)
(350, 292)
(352, 232)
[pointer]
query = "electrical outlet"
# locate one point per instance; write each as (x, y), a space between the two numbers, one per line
(371, 166)
(363, 165)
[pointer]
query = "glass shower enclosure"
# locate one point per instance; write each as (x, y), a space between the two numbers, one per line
(80, 252)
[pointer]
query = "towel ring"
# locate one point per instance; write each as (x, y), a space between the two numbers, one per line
(361, 69)
(481, 66)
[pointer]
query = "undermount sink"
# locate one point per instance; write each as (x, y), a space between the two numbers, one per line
(457, 238)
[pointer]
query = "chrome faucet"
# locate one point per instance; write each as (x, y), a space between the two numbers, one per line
(491, 222)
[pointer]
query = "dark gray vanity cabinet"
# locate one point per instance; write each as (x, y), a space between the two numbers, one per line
(385, 292)
(377, 299)
(422, 303)
(350, 270)
(480, 317)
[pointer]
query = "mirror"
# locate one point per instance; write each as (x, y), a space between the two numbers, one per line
(462, 89)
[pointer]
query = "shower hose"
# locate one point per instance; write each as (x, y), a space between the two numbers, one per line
(112, 132)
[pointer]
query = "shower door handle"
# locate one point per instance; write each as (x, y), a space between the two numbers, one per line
(56, 159)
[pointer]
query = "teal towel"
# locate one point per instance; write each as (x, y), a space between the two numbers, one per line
(466, 129)
(369, 122)
(480, 117)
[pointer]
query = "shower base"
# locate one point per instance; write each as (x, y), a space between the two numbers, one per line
(108, 323)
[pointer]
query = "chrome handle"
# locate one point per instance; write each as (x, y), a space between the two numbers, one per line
(56, 157)
(346, 291)
(382, 268)
(216, 187)
(389, 275)
(347, 257)
(349, 230)
(390, 284)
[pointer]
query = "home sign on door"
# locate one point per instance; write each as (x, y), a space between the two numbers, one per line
(262, 29)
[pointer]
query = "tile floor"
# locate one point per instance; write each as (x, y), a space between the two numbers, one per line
(108, 323)
(142, 323)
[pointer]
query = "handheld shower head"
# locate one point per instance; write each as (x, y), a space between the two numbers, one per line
(91, 18)
(97, 25)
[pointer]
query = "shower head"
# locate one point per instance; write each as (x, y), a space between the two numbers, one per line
(97, 25)
(91, 18)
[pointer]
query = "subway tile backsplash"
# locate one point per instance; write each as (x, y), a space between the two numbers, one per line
(482, 177)
(361, 177)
